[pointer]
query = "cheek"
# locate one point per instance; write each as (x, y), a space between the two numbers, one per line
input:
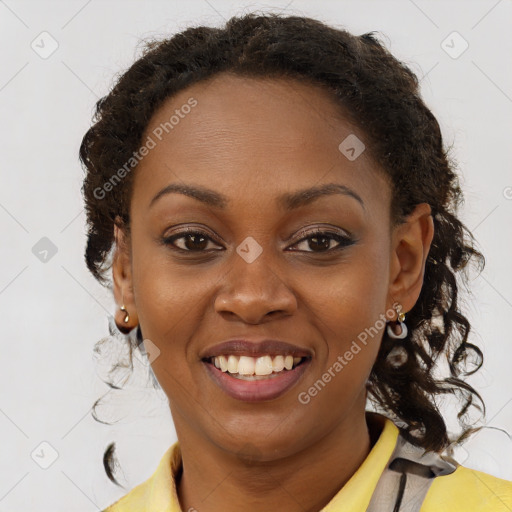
(169, 302)
(349, 312)
(164, 290)
(351, 326)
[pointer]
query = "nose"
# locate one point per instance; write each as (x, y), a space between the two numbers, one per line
(254, 293)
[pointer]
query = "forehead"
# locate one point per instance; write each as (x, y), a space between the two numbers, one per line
(264, 135)
(272, 110)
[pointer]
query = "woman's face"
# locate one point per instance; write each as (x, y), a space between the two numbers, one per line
(257, 152)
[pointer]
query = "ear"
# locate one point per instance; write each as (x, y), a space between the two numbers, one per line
(409, 250)
(122, 280)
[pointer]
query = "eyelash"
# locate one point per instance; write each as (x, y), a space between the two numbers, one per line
(343, 241)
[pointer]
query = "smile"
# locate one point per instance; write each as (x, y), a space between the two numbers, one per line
(256, 378)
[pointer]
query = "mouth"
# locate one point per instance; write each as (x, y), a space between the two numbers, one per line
(249, 378)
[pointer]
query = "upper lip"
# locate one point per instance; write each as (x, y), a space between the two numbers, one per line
(255, 348)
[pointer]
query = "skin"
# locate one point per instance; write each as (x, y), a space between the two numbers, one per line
(253, 140)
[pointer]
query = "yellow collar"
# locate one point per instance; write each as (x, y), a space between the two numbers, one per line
(159, 491)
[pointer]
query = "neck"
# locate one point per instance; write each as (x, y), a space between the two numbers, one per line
(213, 481)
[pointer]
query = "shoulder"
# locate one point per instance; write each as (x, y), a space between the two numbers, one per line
(467, 490)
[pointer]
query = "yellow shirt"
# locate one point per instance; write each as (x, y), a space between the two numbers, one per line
(464, 490)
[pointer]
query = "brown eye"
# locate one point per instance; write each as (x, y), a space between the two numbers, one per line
(315, 242)
(323, 241)
(190, 241)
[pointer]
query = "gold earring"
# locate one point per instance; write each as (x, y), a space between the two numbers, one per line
(127, 317)
(400, 313)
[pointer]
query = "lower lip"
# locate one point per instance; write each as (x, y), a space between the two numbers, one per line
(257, 390)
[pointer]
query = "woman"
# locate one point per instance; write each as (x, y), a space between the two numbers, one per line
(282, 219)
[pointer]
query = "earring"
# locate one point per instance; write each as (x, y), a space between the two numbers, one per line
(127, 317)
(400, 320)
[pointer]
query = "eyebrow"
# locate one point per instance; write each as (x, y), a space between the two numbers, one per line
(289, 201)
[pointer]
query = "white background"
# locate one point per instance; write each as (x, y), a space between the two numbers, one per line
(52, 313)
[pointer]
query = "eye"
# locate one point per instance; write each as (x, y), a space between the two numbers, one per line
(317, 241)
(321, 241)
(189, 241)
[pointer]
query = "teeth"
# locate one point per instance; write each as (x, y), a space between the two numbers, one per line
(223, 363)
(278, 363)
(232, 364)
(263, 365)
(246, 365)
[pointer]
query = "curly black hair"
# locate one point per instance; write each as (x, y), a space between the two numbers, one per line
(381, 96)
